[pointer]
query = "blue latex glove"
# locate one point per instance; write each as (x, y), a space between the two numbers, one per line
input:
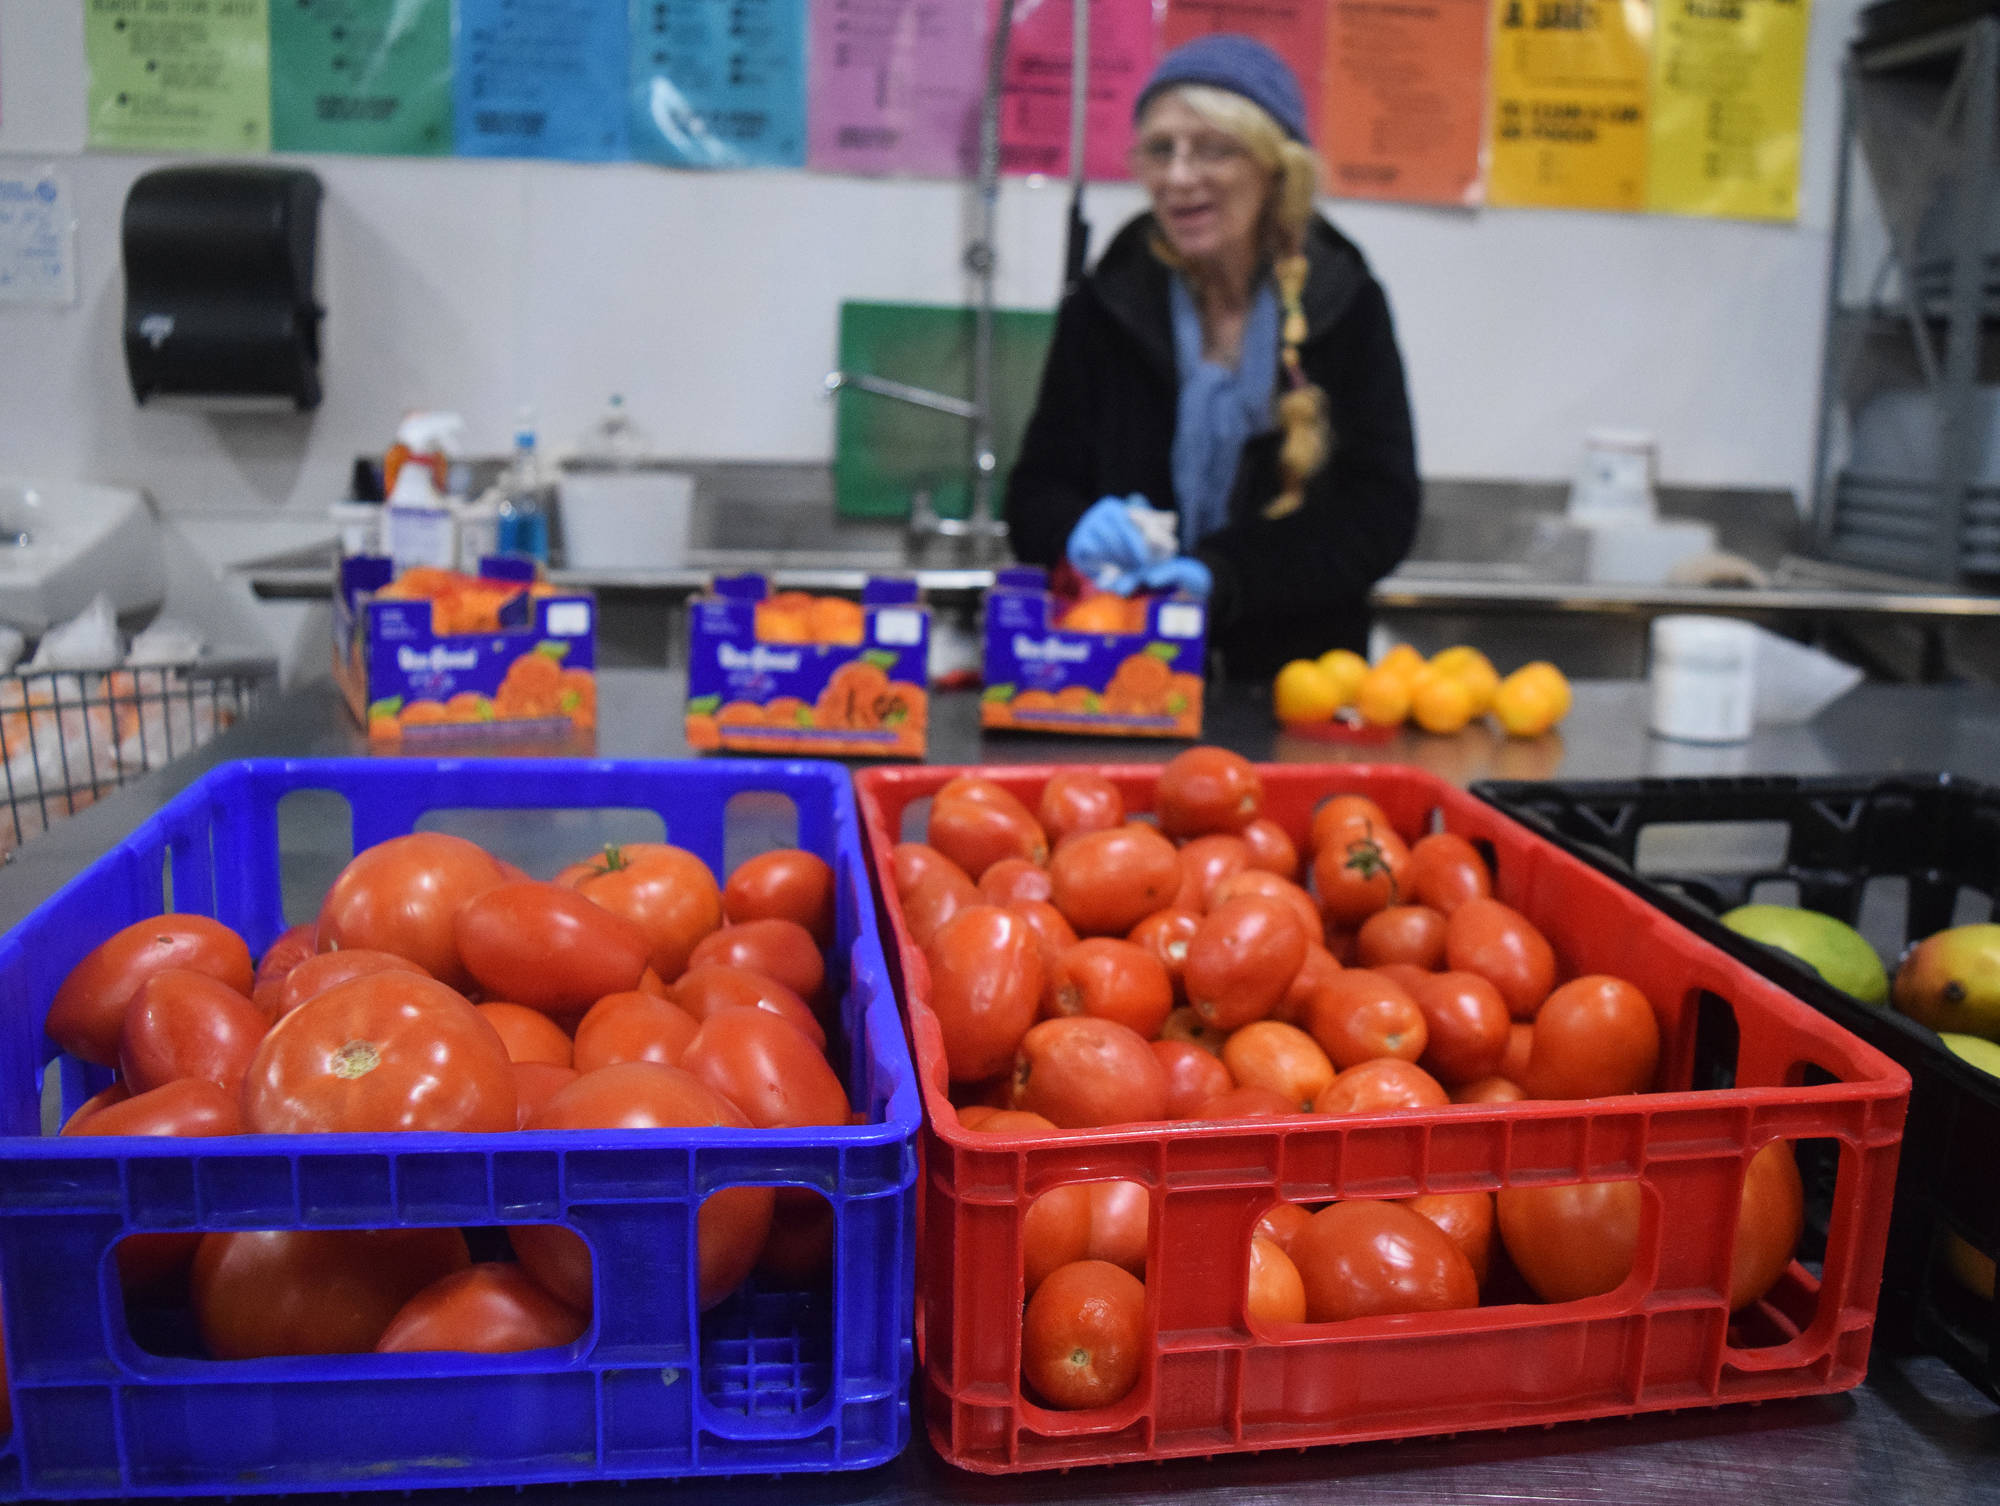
(1106, 546)
(1180, 574)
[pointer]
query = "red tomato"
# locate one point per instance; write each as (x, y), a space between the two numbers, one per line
(798, 1252)
(1053, 937)
(934, 900)
(1114, 980)
(1502, 945)
(1520, 1046)
(1166, 934)
(88, 1009)
(312, 1291)
(1488, 1090)
(284, 954)
(1248, 1101)
(779, 949)
(665, 891)
(186, 1024)
(1186, 1025)
(1358, 873)
(1594, 1037)
(1358, 1016)
(317, 974)
(704, 990)
(1271, 848)
(550, 948)
(187, 1106)
(1270, 886)
(1573, 1241)
(632, 1027)
(1083, 1335)
(767, 1069)
(1410, 978)
(1205, 862)
(1080, 1071)
(1015, 881)
(1276, 1294)
(1121, 1215)
(1281, 1222)
(1467, 1217)
(1207, 789)
(528, 1034)
(103, 1098)
(1056, 1228)
(914, 862)
(1242, 960)
(976, 823)
(1445, 871)
(1365, 1259)
(644, 1095)
(1385, 1083)
(1106, 882)
(1468, 1024)
(391, 1051)
(535, 1083)
(484, 1309)
(1768, 1227)
(1295, 1007)
(401, 896)
(986, 989)
(789, 884)
(1193, 1076)
(1075, 801)
(1409, 934)
(1341, 815)
(1267, 1054)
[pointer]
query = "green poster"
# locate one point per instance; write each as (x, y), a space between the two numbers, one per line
(361, 76)
(179, 75)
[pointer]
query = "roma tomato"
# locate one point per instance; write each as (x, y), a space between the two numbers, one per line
(1247, 1101)
(934, 899)
(1295, 1007)
(705, 990)
(535, 1083)
(1573, 1241)
(1468, 1218)
(1502, 945)
(986, 989)
(1186, 1025)
(1340, 814)
(1366, 1259)
(89, 1008)
(1280, 1222)
(1409, 934)
(1242, 960)
(798, 1252)
(188, 1106)
(733, 1222)
(312, 1291)
(1114, 980)
(1358, 1016)
(1520, 1046)
(1385, 1083)
(1205, 790)
(1056, 1228)
(632, 1027)
(1769, 1225)
(1276, 1293)
(1079, 1071)
(528, 1034)
(1053, 937)
(495, 1308)
(913, 862)
(103, 1098)
(1488, 1090)
(1271, 848)
(1083, 1335)
(186, 1024)
(1205, 862)
(317, 974)
(976, 823)
(1594, 1037)
(1445, 871)
(779, 949)
(788, 884)
(1121, 1215)
(1468, 1024)
(665, 891)
(391, 1051)
(767, 1069)
(1357, 873)
(1075, 801)
(1106, 882)
(284, 954)
(1015, 881)
(1267, 1054)
(1166, 934)
(401, 896)
(1270, 886)
(1193, 1076)
(550, 948)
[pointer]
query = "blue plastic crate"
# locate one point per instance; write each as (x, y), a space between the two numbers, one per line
(770, 1380)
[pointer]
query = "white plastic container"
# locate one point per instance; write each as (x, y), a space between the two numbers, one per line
(1614, 481)
(1704, 679)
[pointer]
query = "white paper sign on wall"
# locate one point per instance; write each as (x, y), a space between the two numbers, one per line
(37, 236)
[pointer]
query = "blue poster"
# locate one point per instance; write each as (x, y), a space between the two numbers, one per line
(541, 78)
(719, 83)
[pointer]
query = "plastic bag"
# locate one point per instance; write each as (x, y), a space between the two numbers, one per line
(166, 640)
(88, 640)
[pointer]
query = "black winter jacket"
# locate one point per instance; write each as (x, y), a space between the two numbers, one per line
(1103, 425)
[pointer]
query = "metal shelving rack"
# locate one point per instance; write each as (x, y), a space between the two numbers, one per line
(1920, 95)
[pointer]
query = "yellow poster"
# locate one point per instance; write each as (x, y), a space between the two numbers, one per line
(1728, 98)
(1569, 103)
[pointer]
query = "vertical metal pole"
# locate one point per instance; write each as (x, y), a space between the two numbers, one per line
(979, 259)
(1958, 444)
(1836, 341)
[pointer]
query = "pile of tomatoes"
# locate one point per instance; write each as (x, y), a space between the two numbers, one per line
(633, 991)
(1087, 969)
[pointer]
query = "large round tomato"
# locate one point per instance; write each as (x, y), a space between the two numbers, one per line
(401, 895)
(1594, 1037)
(644, 1095)
(789, 884)
(666, 891)
(550, 948)
(1084, 1333)
(485, 1309)
(766, 1068)
(312, 1291)
(1365, 1259)
(1207, 789)
(186, 1024)
(986, 988)
(1358, 872)
(89, 1008)
(391, 1051)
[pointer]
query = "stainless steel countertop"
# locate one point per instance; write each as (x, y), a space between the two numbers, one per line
(1913, 1431)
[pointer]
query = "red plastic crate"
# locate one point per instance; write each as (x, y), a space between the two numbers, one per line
(1662, 1340)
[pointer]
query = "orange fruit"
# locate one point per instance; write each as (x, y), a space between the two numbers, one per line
(1475, 669)
(1441, 702)
(1304, 692)
(1100, 612)
(1384, 697)
(1545, 673)
(1526, 707)
(1348, 670)
(1403, 662)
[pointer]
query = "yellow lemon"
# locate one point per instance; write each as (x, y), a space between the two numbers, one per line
(1441, 702)
(1403, 662)
(1348, 669)
(1525, 705)
(1304, 692)
(1475, 669)
(1384, 697)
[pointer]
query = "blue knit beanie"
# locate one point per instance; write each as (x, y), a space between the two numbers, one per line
(1242, 65)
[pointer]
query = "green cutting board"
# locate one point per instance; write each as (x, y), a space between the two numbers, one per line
(886, 450)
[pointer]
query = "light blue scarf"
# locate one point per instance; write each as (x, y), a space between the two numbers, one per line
(1218, 409)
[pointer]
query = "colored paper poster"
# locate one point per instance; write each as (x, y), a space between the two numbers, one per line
(37, 237)
(361, 76)
(1035, 97)
(896, 86)
(1294, 29)
(1569, 103)
(719, 83)
(1403, 114)
(541, 78)
(179, 75)
(1728, 107)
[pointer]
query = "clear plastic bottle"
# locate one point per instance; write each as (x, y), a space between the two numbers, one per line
(615, 441)
(528, 500)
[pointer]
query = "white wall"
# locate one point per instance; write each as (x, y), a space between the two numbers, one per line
(711, 302)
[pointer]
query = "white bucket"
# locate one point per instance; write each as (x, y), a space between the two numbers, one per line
(625, 520)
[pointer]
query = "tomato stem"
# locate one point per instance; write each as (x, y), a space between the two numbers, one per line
(356, 1059)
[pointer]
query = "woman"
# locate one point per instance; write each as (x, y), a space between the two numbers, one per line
(1231, 359)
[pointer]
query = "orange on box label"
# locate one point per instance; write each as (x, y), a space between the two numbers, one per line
(1404, 113)
(1569, 103)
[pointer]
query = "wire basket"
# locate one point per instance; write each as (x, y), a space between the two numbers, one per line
(68, 738)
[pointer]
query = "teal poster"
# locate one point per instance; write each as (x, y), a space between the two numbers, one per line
(542, 78)
(719, 83)
(361, 76)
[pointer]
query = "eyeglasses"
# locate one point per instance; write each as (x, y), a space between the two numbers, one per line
(1156, 154)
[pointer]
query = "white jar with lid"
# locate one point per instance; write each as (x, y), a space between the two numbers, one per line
(1704, 679)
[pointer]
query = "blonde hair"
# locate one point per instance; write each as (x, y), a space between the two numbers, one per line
(1281, 236)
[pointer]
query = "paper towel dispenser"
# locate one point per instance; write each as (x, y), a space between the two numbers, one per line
(219, 283)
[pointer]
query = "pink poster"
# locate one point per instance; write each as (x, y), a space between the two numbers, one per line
(1294, 29)
(894, 86)
(1034, 121)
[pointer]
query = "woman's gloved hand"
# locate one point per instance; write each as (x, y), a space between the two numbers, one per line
(1179, 574)
(1107, 547)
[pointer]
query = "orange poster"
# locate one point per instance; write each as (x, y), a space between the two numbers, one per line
(1294, 29)
(1404, 100)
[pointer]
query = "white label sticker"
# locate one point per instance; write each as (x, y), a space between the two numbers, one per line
(899, 627)
(37, 236)
(569, 619)
(1182, 621)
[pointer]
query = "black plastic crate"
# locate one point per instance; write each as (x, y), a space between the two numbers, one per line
(1899, 857)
